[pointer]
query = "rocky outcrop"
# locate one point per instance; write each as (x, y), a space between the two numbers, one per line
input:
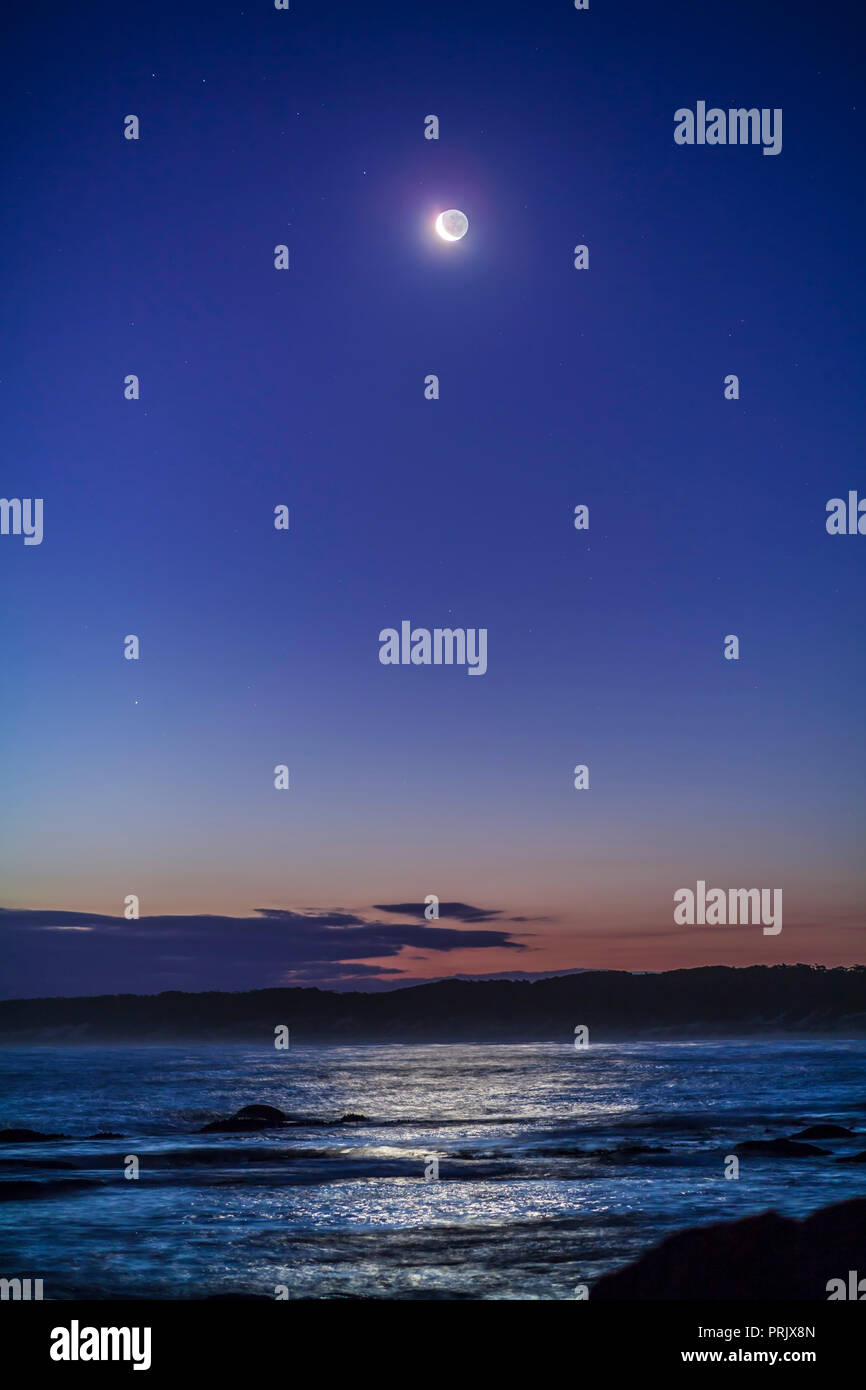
(780, 1148)
(760, 1257)
(253, 1118)
(26, 1136)
(249, 1120)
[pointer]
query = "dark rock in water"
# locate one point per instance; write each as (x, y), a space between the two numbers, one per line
(779, 1148)
(249, 1120)
(106, 1134)
(26, 1136)
(268, 1114)
(257, 1117)
(824, 1132)
(853, 1158)
(234, 1125)
(760, 1257)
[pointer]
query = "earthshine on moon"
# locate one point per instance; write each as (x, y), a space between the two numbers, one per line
(452, 225)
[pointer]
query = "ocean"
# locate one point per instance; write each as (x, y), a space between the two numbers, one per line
(555, 1165)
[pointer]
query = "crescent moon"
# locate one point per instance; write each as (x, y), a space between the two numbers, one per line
(440, 228)
(453, 214)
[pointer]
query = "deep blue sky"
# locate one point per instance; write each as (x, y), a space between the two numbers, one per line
(558, 387)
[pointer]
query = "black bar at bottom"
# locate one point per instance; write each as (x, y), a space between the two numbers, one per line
(260, 1336)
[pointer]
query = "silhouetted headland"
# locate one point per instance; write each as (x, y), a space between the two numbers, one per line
(708, 1002)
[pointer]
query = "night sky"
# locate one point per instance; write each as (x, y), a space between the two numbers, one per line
(305, 387)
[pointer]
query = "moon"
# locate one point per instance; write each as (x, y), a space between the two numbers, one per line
(452, 225)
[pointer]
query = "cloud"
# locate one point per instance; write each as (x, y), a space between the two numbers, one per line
(63, 928)
(337, 917)
(460, 911)
(92, 953)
